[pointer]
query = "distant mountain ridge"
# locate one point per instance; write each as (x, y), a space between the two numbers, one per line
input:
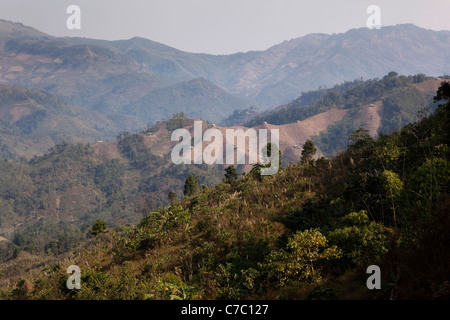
(115, 76)
(280, 73)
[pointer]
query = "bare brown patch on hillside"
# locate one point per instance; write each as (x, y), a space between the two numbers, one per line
(18, 112)
(106, 150)
(158, 142)
(292, 136)
(15, 69)
(370, 117)
(9, 76)
(23, 57)
(429, 86)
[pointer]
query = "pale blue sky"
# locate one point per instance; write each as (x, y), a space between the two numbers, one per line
(219, 26)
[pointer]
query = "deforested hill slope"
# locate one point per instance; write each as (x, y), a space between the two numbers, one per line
(54, 197)
(74, 184)
(379, 105)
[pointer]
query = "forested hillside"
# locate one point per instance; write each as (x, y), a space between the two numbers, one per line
(308, 232)
(48, 203)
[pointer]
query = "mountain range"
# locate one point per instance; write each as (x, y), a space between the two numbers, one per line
(130, 80)
(87, 177)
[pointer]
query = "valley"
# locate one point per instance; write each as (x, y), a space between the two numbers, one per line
(87, 177)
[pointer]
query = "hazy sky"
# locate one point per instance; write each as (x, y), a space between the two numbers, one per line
(219, 26)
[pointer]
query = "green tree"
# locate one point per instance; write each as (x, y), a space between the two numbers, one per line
(231, 174)
(190, 186)
(362, 241)
(360, 138)
(309, 150)
(302, 259)
(99, 227)
(429, 183)
(392, 186)
(172, 197)
(443, 92)
(392, 74)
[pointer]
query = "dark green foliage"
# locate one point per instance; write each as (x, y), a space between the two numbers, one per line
(400, 107)
(443, 92)
(360, 138)
(308, 152)
(98, 227)
(177, 121)
(361, 240)
(231, 174)
(108, 176)
(314, 213)
(172, 197)
(190, 186)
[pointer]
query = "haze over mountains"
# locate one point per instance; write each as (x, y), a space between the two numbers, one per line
(119, 77)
